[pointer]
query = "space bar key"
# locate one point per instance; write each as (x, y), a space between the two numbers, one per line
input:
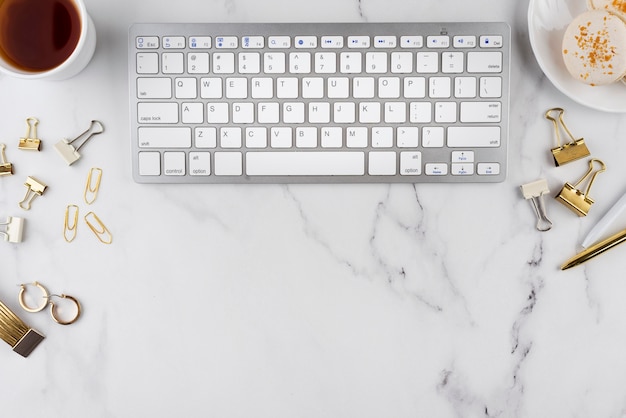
(305, 163)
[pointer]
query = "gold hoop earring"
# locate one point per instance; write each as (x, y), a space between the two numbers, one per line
(23, 304)
(53, 312)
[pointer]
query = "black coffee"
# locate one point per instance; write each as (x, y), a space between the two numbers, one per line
(38, 35)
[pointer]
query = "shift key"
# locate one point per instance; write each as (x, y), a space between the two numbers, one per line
(178, 137)
(157, 113)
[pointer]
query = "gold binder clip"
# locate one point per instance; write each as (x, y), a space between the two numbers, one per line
(573, 150)
(68, 152)
(69, 228)
(98, 228)
(576, 200)
(30, 142)
(91, 187)
(14, 229)
(6, 168)
(34, 188)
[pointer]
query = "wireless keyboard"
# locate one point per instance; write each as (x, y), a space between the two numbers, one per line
(319, 102)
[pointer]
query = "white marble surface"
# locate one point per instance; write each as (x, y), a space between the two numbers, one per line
(310, 300)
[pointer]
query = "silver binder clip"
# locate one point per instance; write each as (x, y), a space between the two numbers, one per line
(13, 229)
(534, 192)
(35, 188)
(69, 152)
(6, 168)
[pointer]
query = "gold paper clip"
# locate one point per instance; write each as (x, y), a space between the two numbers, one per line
(69, 152)
(534, 193)
(30, 142)
(98, 228)
(69, 228)
(91, 189)
(6, 168)
(14, 229)
(576, 200)
(573, 150)
(34, 188)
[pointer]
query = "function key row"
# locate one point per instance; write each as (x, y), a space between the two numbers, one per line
(313, 42)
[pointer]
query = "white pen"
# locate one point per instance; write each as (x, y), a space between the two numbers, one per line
(606, 220)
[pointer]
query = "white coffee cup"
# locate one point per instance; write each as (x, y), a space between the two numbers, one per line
(72, 65)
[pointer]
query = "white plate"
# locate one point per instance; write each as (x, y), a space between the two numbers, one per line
(547, 21)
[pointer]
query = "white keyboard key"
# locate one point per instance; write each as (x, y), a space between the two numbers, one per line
(420, 112)
(410, 163)
(224, 63)
(312, 88)
(432, 137)
(274, 63)
(157, 113)
(199, 164)
(319, 112)
(414, 87)
(407, 137)
(445, 112)
(382, 137)
(382, 163)
(149, 163)
(331, 137)
(174, 42)
(231, 137)
(147, 42)
(249, 63)
(437, 41)
(192, 113)
(462, 169)
(252, 42)
(293, 112)
(465, 87)
(226, 42)
(427, 62)
(174, 163)
(490, 87)
(452, 62)
(236, 88)
(172, 63)
(281, 42)
(325, 62)
(481, 112)
(491, 41)
(358, 41)
(356, 137)
(439, 87)
(287, 88)
(299, 62)
(205, 137)
(217, 112)
(262, 88)
(281, 137)
(333, 42)
(306, 137)
(186, 88)
(199, 42)
(198, 63)
(228, 164)
(305, 42)
(147, 63)
(484, 62)
(154, 88)
(338, 87)
(488, 169)
(310, 163)
(401, 62)
(389, 87)
(464, 41)
(395, 112)
(411, 41)
(436, 169)
(363, 87)
(344, 112)
(256, 137)
(211, 88)
(386, 41)
(370, 112)
(474, 136)
(462, 156)
(243, 112)
(350, 62)
(174, 137)
(376, 62)
(268, 112)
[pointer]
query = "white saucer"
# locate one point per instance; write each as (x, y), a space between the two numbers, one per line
(547, 20)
